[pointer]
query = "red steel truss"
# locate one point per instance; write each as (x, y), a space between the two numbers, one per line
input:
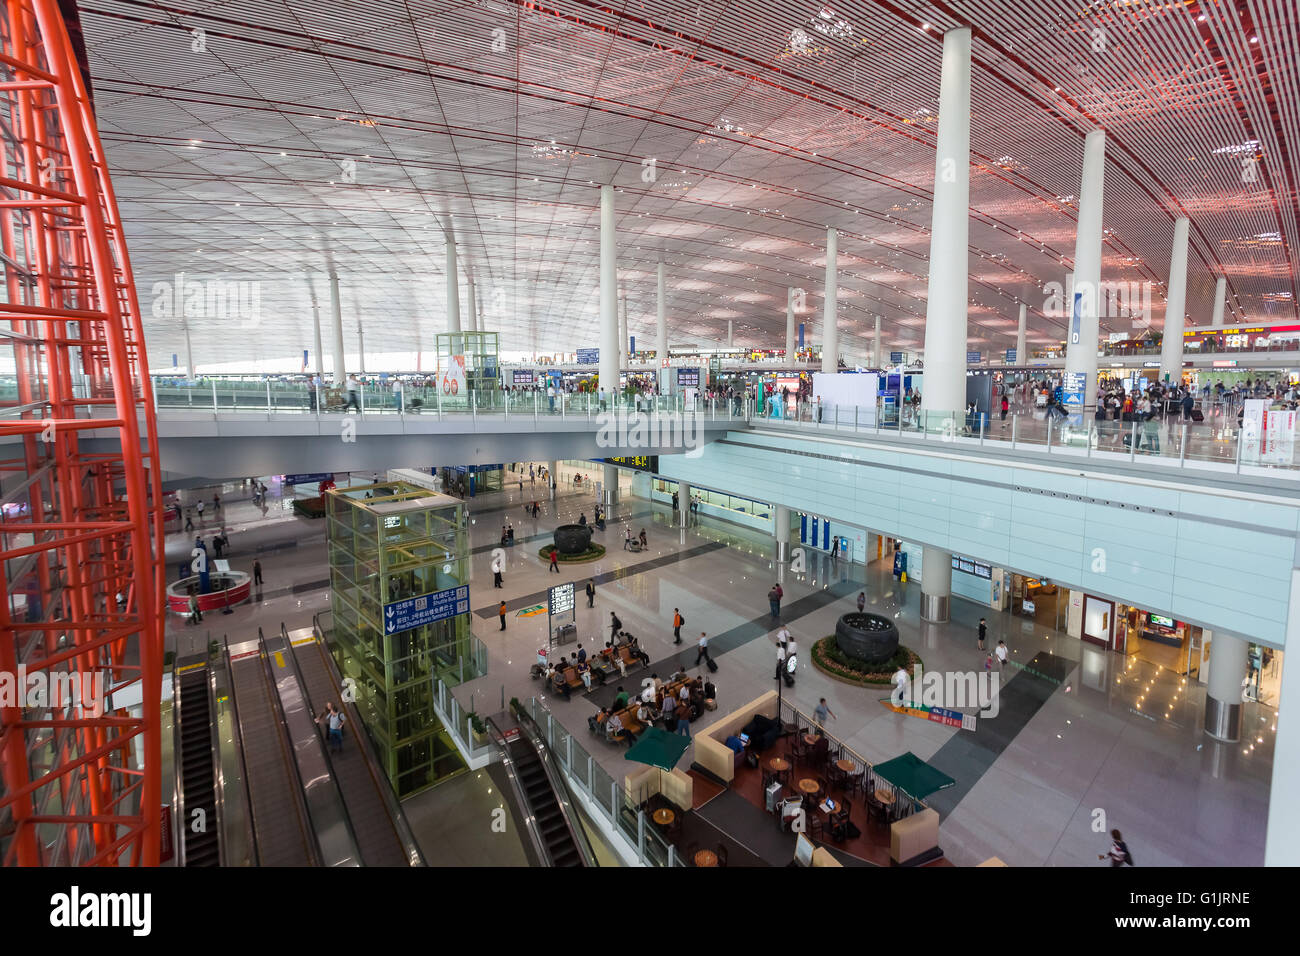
(80, 526)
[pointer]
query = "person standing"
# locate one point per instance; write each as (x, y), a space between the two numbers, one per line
(217, 543)
(196, 616)
(862, 600)
(678, 621)
(334, 721)
(555, 562)
(501, 612)
(780, 595)
(773, 602)
(820, 714)
(257, 573)
(354, 388)
(591, 593)
(199, 508)
(216, 503)
(702, 653)
(496, 575)
(1001, 652)
(983, 632)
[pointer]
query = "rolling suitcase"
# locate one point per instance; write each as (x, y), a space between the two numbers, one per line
(1198, 415)
(713, 665)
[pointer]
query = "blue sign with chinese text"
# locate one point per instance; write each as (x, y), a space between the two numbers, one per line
(1011, 356)
(588, 356)
(425, 609)
(972, 358)
(895, 358)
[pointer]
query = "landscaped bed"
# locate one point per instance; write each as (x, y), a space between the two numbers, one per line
(829, 659)
(591, 554)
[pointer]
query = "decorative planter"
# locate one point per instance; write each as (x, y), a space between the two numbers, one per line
(572, 538)
(866, 637)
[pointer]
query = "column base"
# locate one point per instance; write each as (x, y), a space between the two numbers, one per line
(1222, 719)
(934, 608)
(782, 552)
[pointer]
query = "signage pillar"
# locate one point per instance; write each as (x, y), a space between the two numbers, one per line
(1171, 346)
(611, 486)
(608, 293)
(830, 324)
(875, 346)
(1082, 305)
(936, 584)
(684, 502)
(781, 531)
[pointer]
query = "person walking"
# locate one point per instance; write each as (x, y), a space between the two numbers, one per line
(198, 506)
(501, 612)
(591, 593)
(189, 520)
(678, 621)
(703, 649)
(257, 573)
(773, 602)
(983, 631)
(820, 714)
(862, 600)
(496, 575)
(555, 562)
(354, 388)
(1119, 854)
(1001, 652)
(218, 542)
(196, 616)
(615, 625)
(216, 503)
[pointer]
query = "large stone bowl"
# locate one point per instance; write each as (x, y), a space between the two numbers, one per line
(572, 538)
(867, 637)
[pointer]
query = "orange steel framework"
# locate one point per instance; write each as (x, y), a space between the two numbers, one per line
(80, 530)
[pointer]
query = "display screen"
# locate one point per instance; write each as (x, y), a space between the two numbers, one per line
(1159, 621)
(523, 378)
(689, 377)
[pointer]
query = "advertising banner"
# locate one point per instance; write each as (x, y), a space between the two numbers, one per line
(453, 377)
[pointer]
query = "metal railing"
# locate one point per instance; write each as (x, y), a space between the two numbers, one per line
(622, 810)
(1218, 443)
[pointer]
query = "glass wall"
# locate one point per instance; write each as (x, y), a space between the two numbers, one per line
(389, 543)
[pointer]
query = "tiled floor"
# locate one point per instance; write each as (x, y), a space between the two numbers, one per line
(1117, 741)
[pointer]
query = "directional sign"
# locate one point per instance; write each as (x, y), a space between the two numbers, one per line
(425, 609)
(1011, 356)
(588, 356)
(561, 599)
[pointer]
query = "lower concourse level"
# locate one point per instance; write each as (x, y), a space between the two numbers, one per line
(1088, 737)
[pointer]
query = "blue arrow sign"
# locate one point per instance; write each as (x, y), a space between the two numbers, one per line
(425, 609)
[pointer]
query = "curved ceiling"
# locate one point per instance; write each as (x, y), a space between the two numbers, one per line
(273, 142)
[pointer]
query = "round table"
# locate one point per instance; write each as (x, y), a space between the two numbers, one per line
(845, 765)
(778, 765)
(706, 858)
(664, 817)
(810, 739)
(885, 796)
(809, 785)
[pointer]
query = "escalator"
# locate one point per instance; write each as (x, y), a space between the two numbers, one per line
(196, 750)
(542, 795)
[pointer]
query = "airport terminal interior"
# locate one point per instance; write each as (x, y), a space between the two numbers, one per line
(551, 434)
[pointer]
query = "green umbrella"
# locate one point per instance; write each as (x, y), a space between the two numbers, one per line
(913, 775)
(658, 748)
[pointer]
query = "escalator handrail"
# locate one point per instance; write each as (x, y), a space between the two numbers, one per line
(329, 761)
(299, 791)
(249, 823)
(405, 836)
(178, 766)
(530, 821)
(218, 785)
(563, 794)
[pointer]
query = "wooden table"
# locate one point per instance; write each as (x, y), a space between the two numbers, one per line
(664, 817)
(706, 858)
(885, 796)
(778, 765)
(846, 765)
(809, 785)
(810, 739)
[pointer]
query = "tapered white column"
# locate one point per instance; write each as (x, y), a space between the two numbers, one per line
(189, 348)
(661, 318)
(472, 316)
(361, 349)
(1082, 319)
(622, 331)
(611, 486)
(791, 346)
(1021, 326)
(731, 333)
(453, 288)
(830, 321)
(781, 531)
(936, 580)
(875, 346)
(1220, 293)
(336, 314)
(608, 294)
(945, 311)
(553, 477)
(315, 315)
(684, 503)
(1171, 345)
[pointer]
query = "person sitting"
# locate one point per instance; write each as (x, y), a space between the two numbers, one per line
(735, 743)
(614, 730)
(560, 684)
(648, 691)
(637, 652)
(599, 718)
(582, 519)
(584, 671)
(645, 714)
(620, 699)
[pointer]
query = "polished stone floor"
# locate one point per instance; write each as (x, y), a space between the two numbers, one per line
(1116, 743)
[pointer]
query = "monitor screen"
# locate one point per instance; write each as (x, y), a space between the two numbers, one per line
(744, 739)
(803, 851)
(1161, 621)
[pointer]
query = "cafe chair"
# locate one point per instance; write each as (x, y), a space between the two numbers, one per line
(692, 848)
(813, 824)
(722, 855)
(875, 809)
(854, 781)
(799, 750)
(834, 773)
(839, 821)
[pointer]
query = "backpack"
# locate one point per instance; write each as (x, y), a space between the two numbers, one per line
(617, 624)
(683, 620)
(1128, 857)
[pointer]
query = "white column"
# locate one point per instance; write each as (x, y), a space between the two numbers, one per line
(731, 333)
(189, 348)
(611, 486)
(552, 470)
(453, 288)
(781, 531)
(315, 315)
(875, 346)
(1081, 340)
(1171, 345)
(336, 313)
(944, 389)
(684, 503)
(1021, 357)
(936, 581)
(661, 320)
(361, 349)
(472, 317)
(791, 344)
(622, 331)
(1220, 293)
(608, 293)
(1229, 664)
(830, 323)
